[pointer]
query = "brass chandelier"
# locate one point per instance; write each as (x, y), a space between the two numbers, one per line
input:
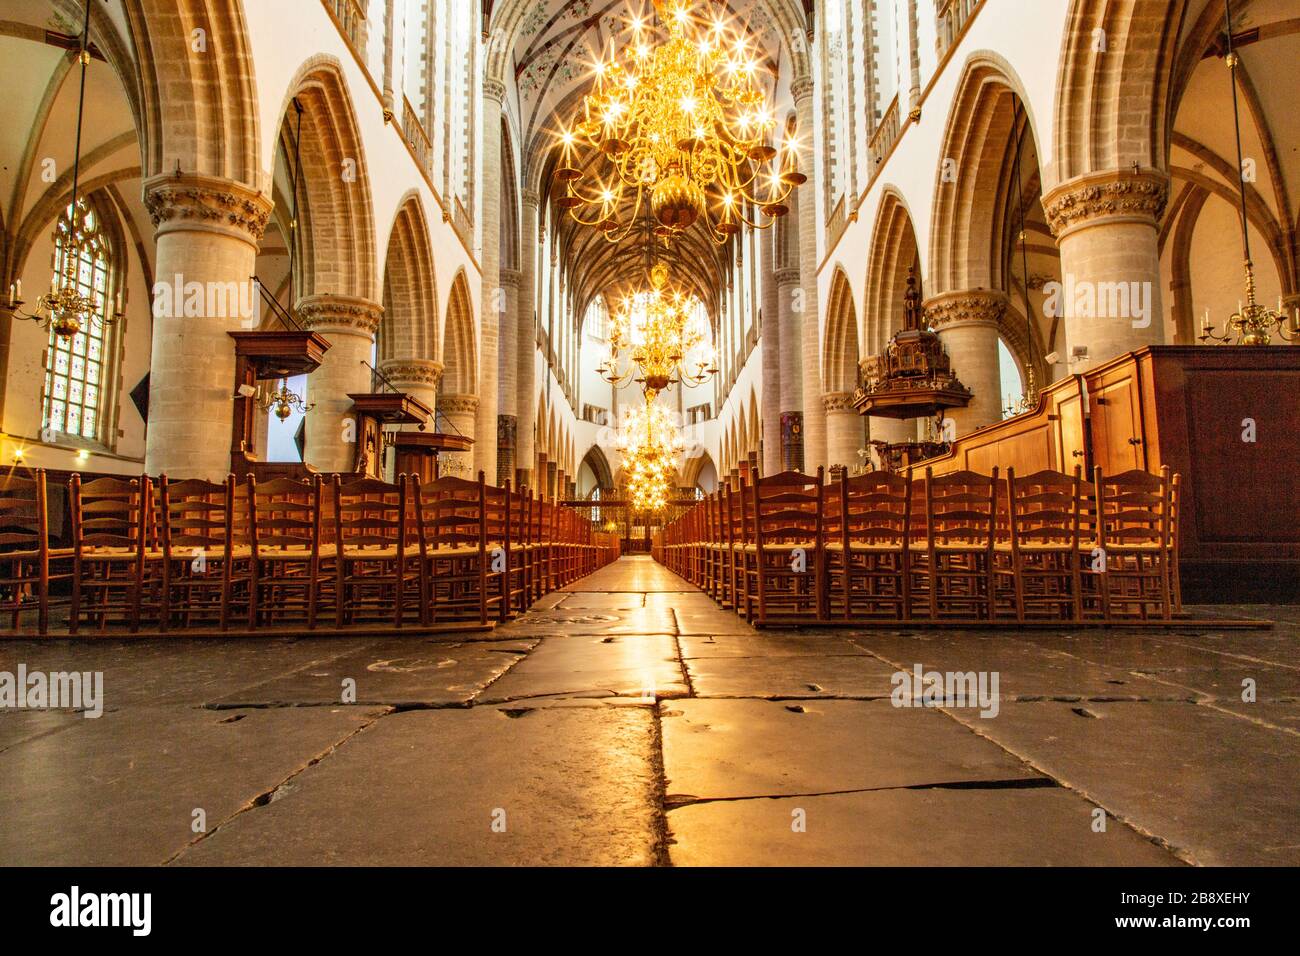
(650, 445)
(1253, 323)
(682, 126)
(64, 308)
(656, 331)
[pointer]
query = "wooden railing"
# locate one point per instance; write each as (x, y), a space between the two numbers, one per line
(352, 20)
(836, 222)
(952, 16)
(461, 220)
(416, 137)
(884, 138)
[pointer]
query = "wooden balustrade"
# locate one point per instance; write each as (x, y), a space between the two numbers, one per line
(883, 139)
(416, 137)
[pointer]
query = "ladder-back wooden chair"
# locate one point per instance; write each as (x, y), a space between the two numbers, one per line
(375, 575)
(201, 565)
(866, 548)
(782, 563)
(1136, 541)
(496, 518)
(285, 551)
(1040, 565)
(960, 522)
(453, 550)
(28, 566)
(110, 537)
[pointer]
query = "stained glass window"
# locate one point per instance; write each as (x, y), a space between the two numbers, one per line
(76, 368)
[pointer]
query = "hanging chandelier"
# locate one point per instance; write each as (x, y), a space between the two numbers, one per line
(682, 126)
(1253, 323)
(65, 309)
(650, 445)
(661, 338)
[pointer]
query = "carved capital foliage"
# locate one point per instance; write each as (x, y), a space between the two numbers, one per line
(1116, 194)
(339, 313)
(494, 89)
(801, 87)
(407, 372)
(454, 404)
(786, 276)
(509, 278)
(838, 401)
(221, 205)
(978, 307)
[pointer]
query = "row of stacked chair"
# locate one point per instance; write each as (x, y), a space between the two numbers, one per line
(959, 548)
(284, 554)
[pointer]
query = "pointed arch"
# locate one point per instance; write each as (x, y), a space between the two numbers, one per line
(459, 350)
(840, 353)
(894, 251)
(975, 164)
(410, 296)
(335, 236)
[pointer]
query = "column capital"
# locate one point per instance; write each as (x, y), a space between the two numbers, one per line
(801, 87)
(1114, 195)
(339, 313)
(786, 276)
(974, 307)
(194, 203)
(508, 277)
(494, 89)
(453, 404)
(425, 373)
(838, 402)
(530, 197)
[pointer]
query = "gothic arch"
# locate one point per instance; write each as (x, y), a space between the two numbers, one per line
(459, 354)
(841, 352)
(1113, 103)
(410, 287)
(894, 251)
(336, 228)
(975, 164)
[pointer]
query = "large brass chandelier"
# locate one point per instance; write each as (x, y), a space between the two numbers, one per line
(683, 125)
(650, 445)
(657, 332)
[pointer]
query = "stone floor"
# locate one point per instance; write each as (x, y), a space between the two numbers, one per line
(628, 720)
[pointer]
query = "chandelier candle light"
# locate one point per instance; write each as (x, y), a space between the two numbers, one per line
(65, 309)
(683, 125)
(650, 446)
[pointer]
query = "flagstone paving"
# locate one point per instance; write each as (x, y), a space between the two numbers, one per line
(628, 720)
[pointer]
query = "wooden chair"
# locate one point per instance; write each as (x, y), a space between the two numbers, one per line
(284, 535)
(201, 566)
(28, 566)
(781, 571)
(110, 534)
(373, 570)
(520, 553)
(453, 550)
(1039, 565)
(957, 564)
(496, 519)
(1136, 540)
(866, 534)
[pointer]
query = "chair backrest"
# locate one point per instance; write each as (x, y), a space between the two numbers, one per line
(284, 513)
(110, 513)
(961, 508)
(786, 509)
(876, 509)
(496, 515)
(196, 514)
(1134, 509)
(369, 514)
(451, 513)
(1045, 508)
(24, 521)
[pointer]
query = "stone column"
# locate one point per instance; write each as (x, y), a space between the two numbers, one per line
(526, 340)
(207, 232)
(770, 401)
(461, 411)
(485, 450)
(790, 437)
(814, 424)
(844, 431)
(349, 323)
(507, 412)
(1107, 227)
(967, 323)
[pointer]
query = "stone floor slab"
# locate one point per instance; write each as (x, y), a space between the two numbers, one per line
(424, 788)
(570, 622)
(613, 601)
(767, 644)
(633, 665)
(799, 676)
